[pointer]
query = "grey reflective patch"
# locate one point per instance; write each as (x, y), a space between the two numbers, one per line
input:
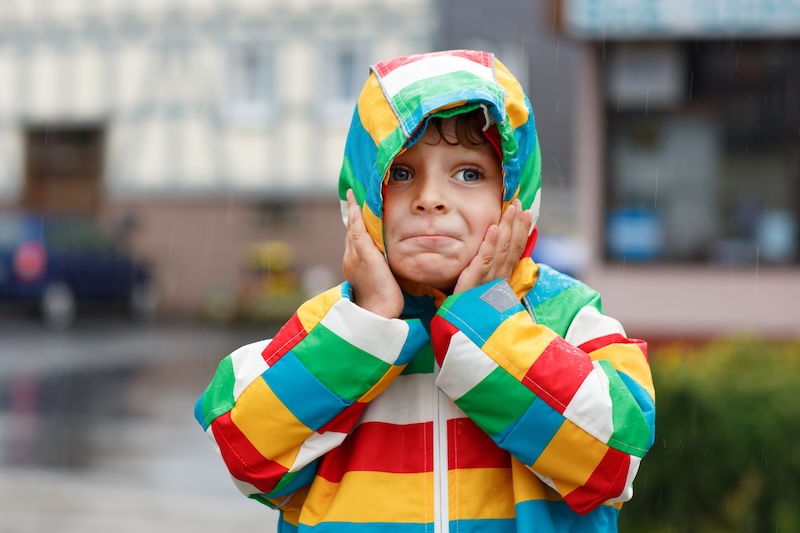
(501, 297)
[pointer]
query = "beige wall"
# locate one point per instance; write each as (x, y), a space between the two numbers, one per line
(701, 302)
(196, 246)
(192, 172)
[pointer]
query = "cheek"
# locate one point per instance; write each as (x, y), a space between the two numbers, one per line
(389, 216)
(490, 213)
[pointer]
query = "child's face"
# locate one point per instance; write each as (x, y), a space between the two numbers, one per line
(440, 199)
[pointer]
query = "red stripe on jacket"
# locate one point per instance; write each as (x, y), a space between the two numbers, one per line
(244, 461)
(386, 67)
(470, 447)
(557, 373)
(286, 339)
(606, 482)
(613, 338)
(381, 447)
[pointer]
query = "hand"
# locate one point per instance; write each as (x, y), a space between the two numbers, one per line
(500, 250)
(374, 286)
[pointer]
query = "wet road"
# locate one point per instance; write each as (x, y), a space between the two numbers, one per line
(97, 431)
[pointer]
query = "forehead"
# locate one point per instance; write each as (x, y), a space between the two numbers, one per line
(453, 133)
(448, 145)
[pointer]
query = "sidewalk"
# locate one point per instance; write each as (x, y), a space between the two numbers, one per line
(41, 501)
(145, 468)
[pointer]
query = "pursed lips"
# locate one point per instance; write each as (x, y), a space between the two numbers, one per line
(429, 235)
(430, 241)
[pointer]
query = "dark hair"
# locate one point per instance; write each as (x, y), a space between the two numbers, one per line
(469, 128)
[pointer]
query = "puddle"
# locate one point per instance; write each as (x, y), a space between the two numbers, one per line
(97, 432)
(54, 421)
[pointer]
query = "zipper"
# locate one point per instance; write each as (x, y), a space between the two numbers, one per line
(441, 499)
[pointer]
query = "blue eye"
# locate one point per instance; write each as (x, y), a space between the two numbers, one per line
(399, 174)
(469, 174)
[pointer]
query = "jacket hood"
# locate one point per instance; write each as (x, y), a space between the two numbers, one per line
(399, 98)
(403, 93)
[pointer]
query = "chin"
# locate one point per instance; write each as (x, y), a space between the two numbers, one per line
(436, 281)
(430, 271)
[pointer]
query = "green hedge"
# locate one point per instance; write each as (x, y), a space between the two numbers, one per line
(727, 452)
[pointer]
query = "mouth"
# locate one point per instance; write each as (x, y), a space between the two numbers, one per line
(429, 232)
(429, 236)
(430, 241)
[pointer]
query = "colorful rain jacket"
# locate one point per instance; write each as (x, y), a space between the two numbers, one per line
(514, 406)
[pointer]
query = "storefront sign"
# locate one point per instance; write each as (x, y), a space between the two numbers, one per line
(621, 19)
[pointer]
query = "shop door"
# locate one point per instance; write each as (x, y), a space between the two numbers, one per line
(64, 170)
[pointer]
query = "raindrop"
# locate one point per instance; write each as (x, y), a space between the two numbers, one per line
(171, 242)
(655, 193)
(558, 45)
(758, 264)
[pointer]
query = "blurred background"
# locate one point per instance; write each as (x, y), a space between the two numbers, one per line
(168, 173)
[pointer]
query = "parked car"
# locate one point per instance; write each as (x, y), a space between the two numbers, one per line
(60, 263)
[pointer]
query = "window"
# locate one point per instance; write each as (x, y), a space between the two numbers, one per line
(343, 72)
(703, 152)
(345, 86)
(249, 82)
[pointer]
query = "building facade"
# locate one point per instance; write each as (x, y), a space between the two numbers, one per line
(687, 162)
(204, 124)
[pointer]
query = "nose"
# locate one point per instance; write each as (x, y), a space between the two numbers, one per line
(431, 194)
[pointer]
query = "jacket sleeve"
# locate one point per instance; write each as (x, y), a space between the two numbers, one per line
(275, 406)
(577, 409)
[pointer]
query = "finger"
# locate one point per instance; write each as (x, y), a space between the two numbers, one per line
(514, 246)
(505, 228)
(528, 220)
(525, 229)
(519, 232)
(355, 220)
(355, 229)
(520, 228)
(480, 268)
(487, 249)
(352, 208)
(359, 240)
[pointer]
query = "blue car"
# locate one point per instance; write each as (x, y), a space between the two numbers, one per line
(59, 263)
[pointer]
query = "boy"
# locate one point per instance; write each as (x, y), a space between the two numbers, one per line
(450, 384)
